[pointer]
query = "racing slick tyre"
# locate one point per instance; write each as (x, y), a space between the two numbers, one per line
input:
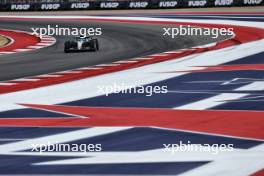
(95, 45)
(67, 47)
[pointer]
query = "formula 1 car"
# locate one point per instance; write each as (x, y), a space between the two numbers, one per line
(81, 43)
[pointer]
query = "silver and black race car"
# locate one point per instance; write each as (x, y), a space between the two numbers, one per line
(81, 44)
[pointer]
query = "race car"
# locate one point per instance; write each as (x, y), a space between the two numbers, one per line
(81, 43)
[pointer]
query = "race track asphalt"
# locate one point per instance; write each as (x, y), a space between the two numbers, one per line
(118, 41)
(123, 41)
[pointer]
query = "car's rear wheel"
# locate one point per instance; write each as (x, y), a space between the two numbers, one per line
(95, 45)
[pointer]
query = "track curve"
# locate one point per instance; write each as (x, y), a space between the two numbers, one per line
(138, 150)
(119, 41)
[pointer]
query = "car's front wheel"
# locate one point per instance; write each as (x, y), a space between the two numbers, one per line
(67, 47)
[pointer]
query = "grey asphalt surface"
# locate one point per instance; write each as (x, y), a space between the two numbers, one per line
(119, 41)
